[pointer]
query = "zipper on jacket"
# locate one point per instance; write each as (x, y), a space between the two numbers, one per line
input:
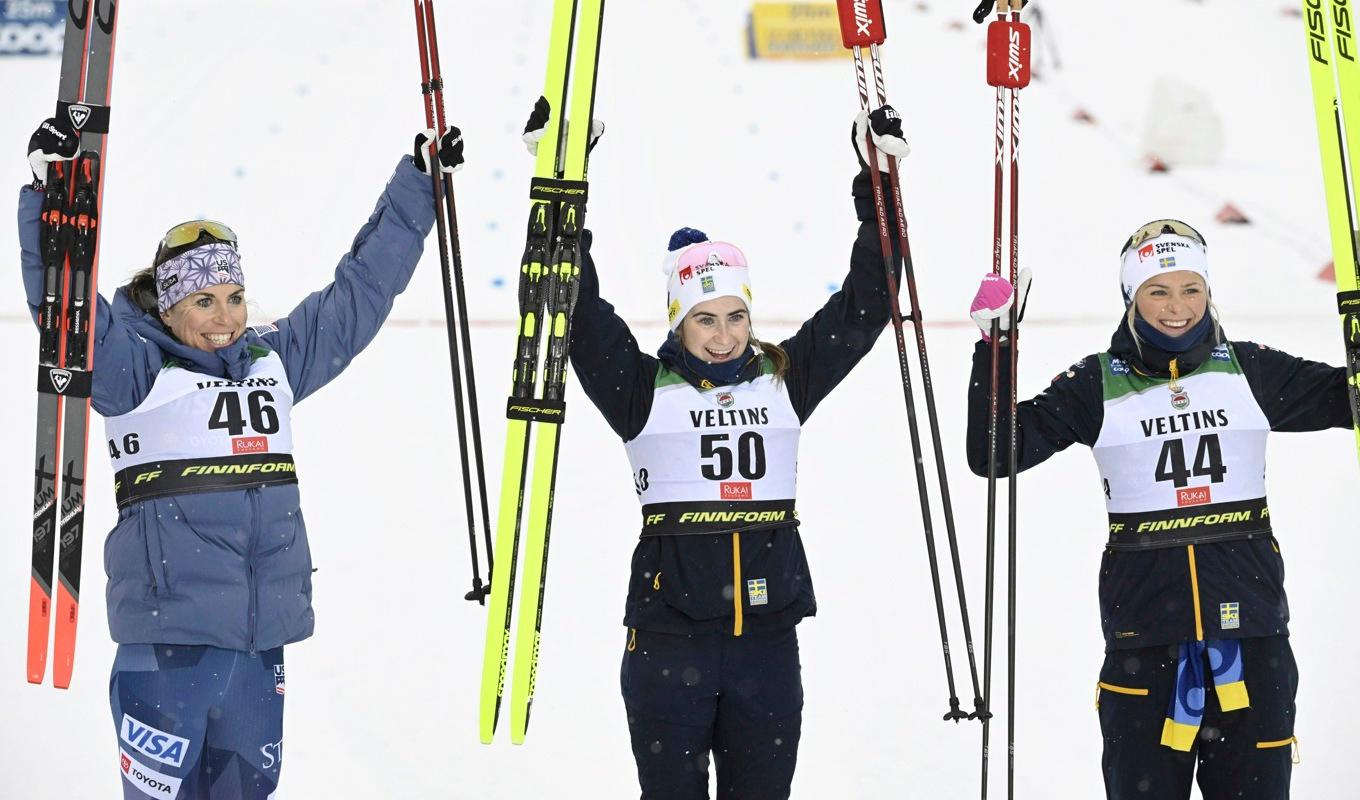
(736, 584)
(1194, 592)
(253, 606)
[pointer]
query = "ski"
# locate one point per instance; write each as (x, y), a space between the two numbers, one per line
(66, 319)
(521, 407)
(562, 279)
(862, 25)
(1329, 25)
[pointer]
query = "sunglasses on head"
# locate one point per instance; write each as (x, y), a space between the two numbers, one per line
(188, 235)
(1158, 228)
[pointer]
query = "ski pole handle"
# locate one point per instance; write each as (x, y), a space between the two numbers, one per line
(1008, 47)
(861, 23)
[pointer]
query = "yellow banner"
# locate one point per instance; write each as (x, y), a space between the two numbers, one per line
(803, 31)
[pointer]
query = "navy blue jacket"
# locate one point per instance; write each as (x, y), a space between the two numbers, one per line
(695, 593)
(232, 569)
(1154, 597)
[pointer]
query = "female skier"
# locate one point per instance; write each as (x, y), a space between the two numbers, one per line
(719, 579)
(209, 573)
(1198, 668)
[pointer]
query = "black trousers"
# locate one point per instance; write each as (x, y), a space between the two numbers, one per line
(740, 698)
(1243, 755)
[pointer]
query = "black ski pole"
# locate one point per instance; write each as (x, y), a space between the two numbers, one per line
(443, 194)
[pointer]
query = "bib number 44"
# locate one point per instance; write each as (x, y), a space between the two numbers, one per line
(1171, 464)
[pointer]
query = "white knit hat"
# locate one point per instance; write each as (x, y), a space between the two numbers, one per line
(698, 270)
(1166, 252)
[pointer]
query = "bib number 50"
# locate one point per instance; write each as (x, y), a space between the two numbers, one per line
(749, 456)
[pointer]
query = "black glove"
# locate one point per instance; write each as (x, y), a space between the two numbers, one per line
(886, 124)
(537, 125)
(450, 150)
(54, 140)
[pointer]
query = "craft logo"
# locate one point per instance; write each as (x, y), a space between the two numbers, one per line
(249, 444)
(673, 311)
(1229, 616)
(147, 781)
(707, 284)
(746, 290)
(156, 744)
(1167, 263)
(79, 115)
(1194, 496)
(736, 490)
(1119, 367)
(685, 274)
(60, 379)
(757, 594)
(278, 679)
(1220, 353)
(725, 399)
(1145, 252)
(1180, 400)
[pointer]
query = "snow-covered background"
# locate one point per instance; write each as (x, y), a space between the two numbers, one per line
(285, 119)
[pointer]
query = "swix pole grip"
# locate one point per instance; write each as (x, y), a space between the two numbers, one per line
(1008, 45)
(861, 23)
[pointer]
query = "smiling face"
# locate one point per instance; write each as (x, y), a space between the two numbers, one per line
(209, 319)
(717, 330)
(1174, 302)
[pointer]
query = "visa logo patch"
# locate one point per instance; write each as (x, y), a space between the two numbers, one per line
(756, 592)
(152, 743)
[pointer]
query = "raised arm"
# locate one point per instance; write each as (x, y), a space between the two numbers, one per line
(1295, 394)
(329, 328)
(614, 372)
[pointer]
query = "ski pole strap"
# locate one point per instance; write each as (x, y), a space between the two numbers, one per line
(193, 475)
(67, 382)
(556, 190)
(691, 518)
(1220, 522)
(536, 410)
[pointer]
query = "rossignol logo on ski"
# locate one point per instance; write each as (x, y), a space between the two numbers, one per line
(79, 115)
(60, 379)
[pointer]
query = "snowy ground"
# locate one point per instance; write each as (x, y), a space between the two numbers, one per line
(285, 119)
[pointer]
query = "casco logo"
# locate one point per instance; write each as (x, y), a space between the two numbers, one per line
(1145, 252)
(685, 274)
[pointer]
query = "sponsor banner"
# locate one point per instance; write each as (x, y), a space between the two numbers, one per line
(1194, 496)
(146, 780)
(1198, 522)
(152, 743)
(736, 490)
(717, 516)
(32, 27)
(794, 31)
(249, 444)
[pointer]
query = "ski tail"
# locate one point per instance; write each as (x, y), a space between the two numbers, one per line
(522, 407)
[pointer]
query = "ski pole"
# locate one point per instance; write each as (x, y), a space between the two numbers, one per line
(444, 223)
(862, 24)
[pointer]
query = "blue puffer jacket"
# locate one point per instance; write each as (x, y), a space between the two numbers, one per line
(232, 569)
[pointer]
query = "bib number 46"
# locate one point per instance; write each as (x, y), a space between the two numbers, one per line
(1208, 461)
(227, 413)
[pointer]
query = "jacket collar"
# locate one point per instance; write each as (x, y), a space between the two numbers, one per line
(231, 362)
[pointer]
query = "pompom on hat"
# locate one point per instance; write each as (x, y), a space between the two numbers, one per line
(698, 270)
(1164, 245)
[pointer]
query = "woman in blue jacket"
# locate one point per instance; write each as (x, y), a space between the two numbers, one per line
(209, 573)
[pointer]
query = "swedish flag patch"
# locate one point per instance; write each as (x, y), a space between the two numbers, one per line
(756, 592)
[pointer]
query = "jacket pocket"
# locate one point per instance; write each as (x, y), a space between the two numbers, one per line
(1102, 686)
(155, 554)
(1292, 742)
